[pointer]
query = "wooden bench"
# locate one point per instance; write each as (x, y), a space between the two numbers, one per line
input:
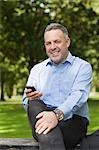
(18, 143)
(21, 144)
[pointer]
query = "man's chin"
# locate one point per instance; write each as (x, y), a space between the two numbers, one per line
(56, 61)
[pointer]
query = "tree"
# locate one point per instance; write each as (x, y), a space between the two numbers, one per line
(21, 33)
(21, 23)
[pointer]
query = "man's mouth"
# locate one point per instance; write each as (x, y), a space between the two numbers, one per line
(55, 52)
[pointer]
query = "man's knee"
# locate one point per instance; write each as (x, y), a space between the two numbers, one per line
(53, 137)
(36, 106)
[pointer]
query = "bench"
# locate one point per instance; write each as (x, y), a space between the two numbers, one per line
(18, 143)
(21, 144)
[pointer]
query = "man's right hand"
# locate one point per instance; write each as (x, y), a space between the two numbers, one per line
(32, 95)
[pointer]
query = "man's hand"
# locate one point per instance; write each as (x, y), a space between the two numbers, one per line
(46, 121)
(32, 95)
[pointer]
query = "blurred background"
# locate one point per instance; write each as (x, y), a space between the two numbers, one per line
(22, 23)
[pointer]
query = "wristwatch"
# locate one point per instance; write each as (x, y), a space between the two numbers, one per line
(59, 114)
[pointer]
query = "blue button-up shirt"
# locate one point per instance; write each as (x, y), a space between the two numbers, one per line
(65, 86)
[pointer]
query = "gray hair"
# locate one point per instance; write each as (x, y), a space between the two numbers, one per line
(55, 26)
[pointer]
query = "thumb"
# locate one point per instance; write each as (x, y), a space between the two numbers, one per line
(40, 115)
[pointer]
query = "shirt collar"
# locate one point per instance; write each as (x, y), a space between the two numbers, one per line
(69, 59)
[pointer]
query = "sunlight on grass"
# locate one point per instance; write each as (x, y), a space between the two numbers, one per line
(14, 122)
(8, 130)
(94, 116)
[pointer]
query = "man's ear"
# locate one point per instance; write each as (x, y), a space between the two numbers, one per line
(68, 42)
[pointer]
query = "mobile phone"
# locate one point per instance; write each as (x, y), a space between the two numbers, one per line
(32, 88)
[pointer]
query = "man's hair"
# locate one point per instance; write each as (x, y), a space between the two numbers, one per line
(55, 26)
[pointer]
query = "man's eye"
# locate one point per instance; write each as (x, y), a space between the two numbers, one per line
(47, 44)
(57, 42)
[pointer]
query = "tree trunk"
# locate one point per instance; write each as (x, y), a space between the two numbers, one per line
(2, 86)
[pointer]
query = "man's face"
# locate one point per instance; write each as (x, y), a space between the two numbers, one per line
(56, 45)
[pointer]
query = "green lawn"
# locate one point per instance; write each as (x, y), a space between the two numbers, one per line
(14, 122)
(94, 115)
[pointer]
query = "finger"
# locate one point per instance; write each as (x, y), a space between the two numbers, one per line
(41, 129)
(47, 130)
(30, 94)
(34, 95)
(40, 115)
(40, 126)
(27, 90)
(38, 95)
(39, 122)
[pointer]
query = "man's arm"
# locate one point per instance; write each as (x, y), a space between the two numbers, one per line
(79, 92)
(30, 82)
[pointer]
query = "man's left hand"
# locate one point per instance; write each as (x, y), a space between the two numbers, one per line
(46, 121)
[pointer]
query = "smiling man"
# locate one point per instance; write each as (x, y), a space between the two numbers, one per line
(58, 109)
(56, 44)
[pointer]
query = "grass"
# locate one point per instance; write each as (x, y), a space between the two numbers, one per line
(94, 115)
(14, 122)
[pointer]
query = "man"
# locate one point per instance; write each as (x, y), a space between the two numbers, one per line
(58, 109)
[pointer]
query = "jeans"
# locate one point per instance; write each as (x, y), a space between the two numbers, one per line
(65, 136)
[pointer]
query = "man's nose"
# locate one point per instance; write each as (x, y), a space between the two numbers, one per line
(53, 46)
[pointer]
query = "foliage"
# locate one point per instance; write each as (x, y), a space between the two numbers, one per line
(22, 25)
